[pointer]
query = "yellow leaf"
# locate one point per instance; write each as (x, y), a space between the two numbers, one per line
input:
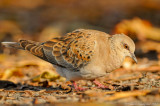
(52, 76)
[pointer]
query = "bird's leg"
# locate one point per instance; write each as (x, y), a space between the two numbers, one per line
(76, 87)
(99, 84)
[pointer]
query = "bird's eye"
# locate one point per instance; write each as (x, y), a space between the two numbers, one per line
(126, 46)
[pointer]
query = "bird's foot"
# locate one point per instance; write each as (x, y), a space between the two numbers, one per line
(100, 85)
(80, 89)
(77, 88)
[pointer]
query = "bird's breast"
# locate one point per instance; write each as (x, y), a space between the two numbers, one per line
(114, 63)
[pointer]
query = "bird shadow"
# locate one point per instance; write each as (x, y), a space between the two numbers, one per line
(8, 85)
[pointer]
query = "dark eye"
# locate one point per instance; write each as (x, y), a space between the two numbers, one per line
(126, 46)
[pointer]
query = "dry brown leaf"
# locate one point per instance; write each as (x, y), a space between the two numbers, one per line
(120, 95)
(146, 46)
(138, 28)
(149, 69)
(8, 73)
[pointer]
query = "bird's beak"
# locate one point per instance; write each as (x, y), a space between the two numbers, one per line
(134, 57)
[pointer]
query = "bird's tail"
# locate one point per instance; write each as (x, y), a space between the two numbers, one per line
(36, 48)
(22, 44)
(15, 45)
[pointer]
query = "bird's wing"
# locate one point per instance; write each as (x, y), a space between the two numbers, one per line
(72, 51)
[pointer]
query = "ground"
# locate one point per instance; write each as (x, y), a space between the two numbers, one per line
(25, 79)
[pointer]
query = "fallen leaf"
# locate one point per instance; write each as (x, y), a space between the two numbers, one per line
(52, 76)
(120, 95)
(138, 28)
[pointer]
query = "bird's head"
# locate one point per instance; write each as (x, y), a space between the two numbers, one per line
(124, 45)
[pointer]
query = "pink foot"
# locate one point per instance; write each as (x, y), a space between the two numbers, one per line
(78, 88)
(100, 85)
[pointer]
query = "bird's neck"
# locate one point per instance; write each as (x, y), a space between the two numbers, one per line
(116, 57)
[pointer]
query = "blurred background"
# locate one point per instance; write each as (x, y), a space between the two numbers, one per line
(41, 20)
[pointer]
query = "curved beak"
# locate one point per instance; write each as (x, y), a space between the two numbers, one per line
(134, 57)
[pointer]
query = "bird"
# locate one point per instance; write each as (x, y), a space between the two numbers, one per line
(83, 54)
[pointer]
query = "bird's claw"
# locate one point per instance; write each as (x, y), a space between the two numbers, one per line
(99, 85)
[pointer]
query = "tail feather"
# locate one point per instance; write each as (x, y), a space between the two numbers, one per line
(15, 45)
(36, 48)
